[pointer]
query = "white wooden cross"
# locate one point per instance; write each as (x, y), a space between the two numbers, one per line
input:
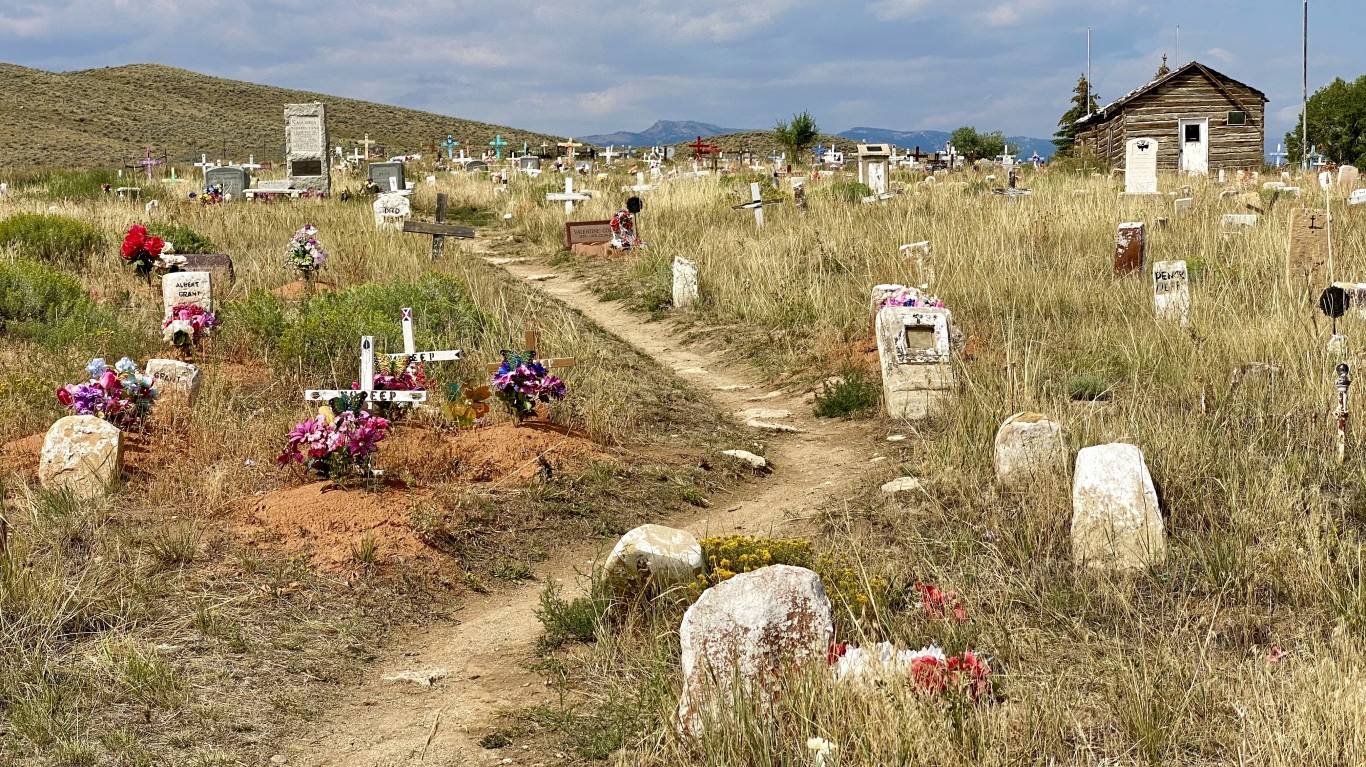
(608, 154)
(1279, 155)
(756, 204)
(410, 352)
(204, 164)
(640, 185)
(367, 383)
(570, 145)
(569, 196)
(251, 163)
(356, 156)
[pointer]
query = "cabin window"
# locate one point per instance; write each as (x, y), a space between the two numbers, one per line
(1237, 118)
(1192, 131)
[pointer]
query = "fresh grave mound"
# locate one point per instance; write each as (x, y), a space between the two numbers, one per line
(299, 290)
(331, 524)
(20, 456)
(502, 453)
(157, 448)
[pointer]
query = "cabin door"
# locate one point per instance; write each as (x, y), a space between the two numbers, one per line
(1195, 146)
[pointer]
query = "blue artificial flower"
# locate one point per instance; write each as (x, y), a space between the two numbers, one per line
(96, 367)
(125, 366)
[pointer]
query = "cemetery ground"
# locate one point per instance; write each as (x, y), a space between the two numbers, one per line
(173, 623)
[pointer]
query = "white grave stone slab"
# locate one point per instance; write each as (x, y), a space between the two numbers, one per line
(308, 163)
(186, 288)
(685, 282)
(1171, 291)
(82, 455)
(391, 209)
(1348, 175)
(175, 377)
(913, 350)
(1029, 447)
(1140, 166)
(1232, 220)
(1182, 205)
(1357, 198)
(1116, 521)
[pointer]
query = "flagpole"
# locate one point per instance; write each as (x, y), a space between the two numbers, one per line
(1304, 113)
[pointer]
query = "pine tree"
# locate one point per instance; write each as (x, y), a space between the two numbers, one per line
(1084, 102)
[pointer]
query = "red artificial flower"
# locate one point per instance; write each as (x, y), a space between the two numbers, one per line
(929, 674)
(837, 651)
(64, 396)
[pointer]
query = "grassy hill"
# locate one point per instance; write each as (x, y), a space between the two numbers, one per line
(108, 117)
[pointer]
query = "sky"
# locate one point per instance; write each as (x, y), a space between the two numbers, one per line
(578, 67)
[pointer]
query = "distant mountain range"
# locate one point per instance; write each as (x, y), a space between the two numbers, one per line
(666, 132)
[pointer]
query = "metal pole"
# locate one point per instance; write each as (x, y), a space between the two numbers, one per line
(1088, 70)
(1304, 113)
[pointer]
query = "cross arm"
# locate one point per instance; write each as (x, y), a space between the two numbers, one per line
(442, 230)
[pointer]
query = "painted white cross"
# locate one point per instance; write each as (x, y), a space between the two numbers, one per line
(410, 352)
(1279, 155)
(608, 154)
(204, 164)
(756, 204)
(640, 185)
(569, 196)
(367, 383)
(251, 163)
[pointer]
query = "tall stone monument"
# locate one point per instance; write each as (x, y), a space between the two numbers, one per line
(306, 154)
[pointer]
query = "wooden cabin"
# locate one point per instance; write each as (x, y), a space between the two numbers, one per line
(1202, 120)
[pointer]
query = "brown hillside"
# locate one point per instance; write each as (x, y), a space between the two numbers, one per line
(108, 117)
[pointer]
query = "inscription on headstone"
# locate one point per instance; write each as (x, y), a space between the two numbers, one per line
(390, 210)
(306, 155)
(587, 233)
(1171, 291)
(389, 176)
(232, 180)
(1307, 260)
(186, 288)
(1140, 166)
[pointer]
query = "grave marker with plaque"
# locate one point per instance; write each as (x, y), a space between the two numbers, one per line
(1130, 248)
(186, 288)
(307, 160)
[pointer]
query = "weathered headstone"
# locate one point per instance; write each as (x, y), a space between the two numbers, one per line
(873, 165)
(652, 559)
(1348, 175)
(1116, 521)
(218, 265)
(1232, 221)
(389, 176)
(187, 288)
(1029, 447)
(82, 455)
(1357, 198)
(232, 180)
(175, 380)
(1130, 248)
(913, 350)
(1140, 166)
(308, 163)
(390, 210)
(1171, 291)
(1182, 205)
(1306, 261)
(744, 635)
(685, 282)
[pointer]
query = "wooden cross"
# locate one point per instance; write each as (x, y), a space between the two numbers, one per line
(204, 164)
(569, 196)
(251, 163)
(533, 340)
(756, 204)
(440, 230)
(571, 146)
(450, 143)
(640, 185)
(148, 162)
(699, 148)
(367, 383)
(409, 347)
(366, 142)
(608, 155)
(498, 143)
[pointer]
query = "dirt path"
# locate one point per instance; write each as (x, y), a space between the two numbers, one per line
(484, 659)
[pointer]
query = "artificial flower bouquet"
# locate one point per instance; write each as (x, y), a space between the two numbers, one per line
(335, 446)
(304, 254)
(908, 296)
(395, 374)
(121, 395)
(466, 404)
(187, 326)
(521, 382)
(146, 252)
(964, 677)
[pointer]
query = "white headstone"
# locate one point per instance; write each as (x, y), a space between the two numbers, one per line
(1357, 198)
(307, 161)
(1116, 521)
(390, 210)
(186, 288)
(1182, 205)
(685, 282)
(82, 455)
(1348, 175)
(174, 376)
(913, 349)
(1140, 166)
(1171, 291)
(1029, 447)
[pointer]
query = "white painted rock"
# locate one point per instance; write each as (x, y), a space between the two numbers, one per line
(82, 455)
(755, 461)
(755, 423)
(176, 378)
(651, 559)
(902, 485)
(749, 631)
(685, 282)
(1029, 446)
(1116, 521)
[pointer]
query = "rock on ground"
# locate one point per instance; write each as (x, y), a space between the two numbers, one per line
(1029, 447)
(1116, 521)
(178, 379)
(82, 455)
(755, 461)
(651, 559)
(750, 631)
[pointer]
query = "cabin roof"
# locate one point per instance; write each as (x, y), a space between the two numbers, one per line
(1219, 80)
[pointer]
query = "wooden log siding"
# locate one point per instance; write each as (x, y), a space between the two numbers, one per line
(1157, 114)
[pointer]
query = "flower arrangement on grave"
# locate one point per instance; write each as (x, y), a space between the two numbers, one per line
(187, 326)
(304, 254)
(939, 604)
(908, 296)
(521, 383)
(213, 193)
(146, 252)
(466, 404)
(121, 395)
(958, 678)
(335, 446)
(395, 374)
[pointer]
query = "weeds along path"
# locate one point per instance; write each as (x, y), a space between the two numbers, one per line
(485, 660)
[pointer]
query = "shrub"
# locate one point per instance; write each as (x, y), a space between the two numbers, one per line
(851, 394)
(56, 239)
(727, 556)
(850, 191)
(577, 620)
(182, 238)
(30, 290)
(1088, 386)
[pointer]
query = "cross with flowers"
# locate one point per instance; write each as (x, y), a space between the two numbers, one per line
(532, 340)
(367, 392)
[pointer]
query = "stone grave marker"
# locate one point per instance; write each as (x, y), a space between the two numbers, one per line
(913, 350)
(308, 162)
(218, 265)
(1029, 447)
(177, 378)
(1307, 259)
(1116, 521)
(1357, 197)
(1182, 205)
(440, 230)
(922, 258)
(799, 192)
(389, 176)
(82, 455)
(685, 282)
(1348, 175)
(1130, 248)
(650, 560)
(281, 185)
(391, 210)
(1171, 291)
(1140, 166)
(873, 163)
(1231, 222)
(588, 238)
(233, 180)
(186, 288)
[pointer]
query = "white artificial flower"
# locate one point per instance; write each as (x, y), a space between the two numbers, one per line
(822, 749)
(167, 248)
(176, 326)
